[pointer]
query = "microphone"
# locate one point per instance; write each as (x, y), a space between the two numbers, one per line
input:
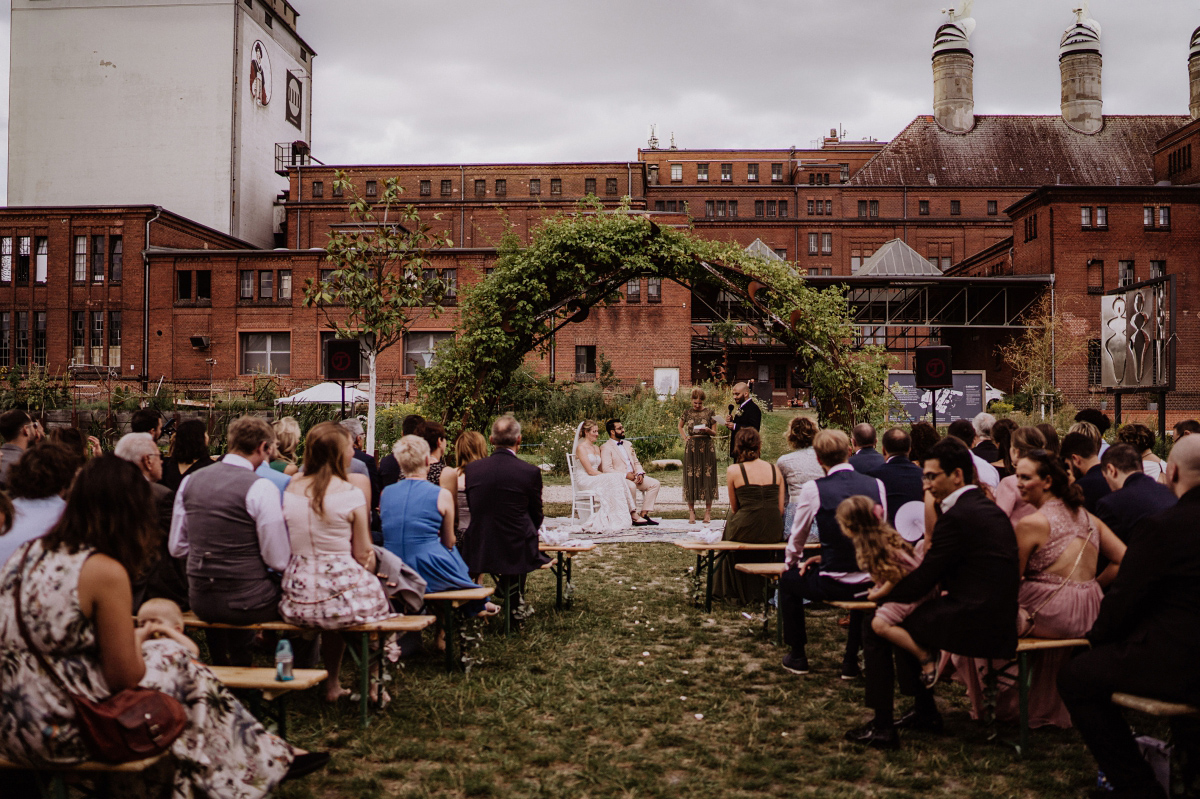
(731, 407)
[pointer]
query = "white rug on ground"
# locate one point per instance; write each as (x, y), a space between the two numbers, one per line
(667, 530)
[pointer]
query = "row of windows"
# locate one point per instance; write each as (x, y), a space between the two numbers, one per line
(1126, 273)
(16, 339)
(371, 189)
(1179, 160)
(262, 285)
(727, 173)
(94, 257)
(1096, 217)
(88, 338)
(633, 290)
(825, 240)
(271, 353)
(1031, 227)
(499, 187)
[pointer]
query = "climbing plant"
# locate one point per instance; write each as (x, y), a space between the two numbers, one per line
(580, 260)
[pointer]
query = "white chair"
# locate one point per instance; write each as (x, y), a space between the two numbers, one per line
(579, 496)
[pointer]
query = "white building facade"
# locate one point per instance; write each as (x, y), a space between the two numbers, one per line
(177, 103)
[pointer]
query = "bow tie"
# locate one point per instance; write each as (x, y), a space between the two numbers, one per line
(620, 442)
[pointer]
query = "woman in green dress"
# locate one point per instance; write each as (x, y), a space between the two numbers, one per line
(756, 517)
(697, 428)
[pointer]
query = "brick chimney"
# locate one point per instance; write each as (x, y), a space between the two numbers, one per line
(954, 76)
(1080, 63)
(1194, 73)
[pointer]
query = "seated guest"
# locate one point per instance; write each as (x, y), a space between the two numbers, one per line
(1141, 438)
(985, 473)
(1049, 433)
(1002, 432)
(389, 470)
(330, 580)
(985, 447)
(615, 507)
(1186, 428)
(418, 525)
(1099, 419)
(228, 523)
(19, 432)
(470, 446)
(924, 436)
(1079, 452)
(355, 428)
(73, 588)
(835, 573)
(865, 459)
(798, 466)
(1144, 641)
(164, 618)
(901, 477)
(287, 439)
(146, 420)
(504, 494)
(189, 453)
(1008, 496)
(755, 517)
(617, 455)
(279, 479)
(972, 558)
(37, 485)
(435, 436)
(1134, 495)
(166, 576)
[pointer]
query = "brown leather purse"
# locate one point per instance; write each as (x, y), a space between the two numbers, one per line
(133, 724)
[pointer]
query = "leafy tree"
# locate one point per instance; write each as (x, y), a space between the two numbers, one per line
(1048, 342)
(380, 276)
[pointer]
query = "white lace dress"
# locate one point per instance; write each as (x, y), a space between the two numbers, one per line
(613, 498)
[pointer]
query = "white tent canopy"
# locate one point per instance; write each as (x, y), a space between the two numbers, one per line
(324, 393)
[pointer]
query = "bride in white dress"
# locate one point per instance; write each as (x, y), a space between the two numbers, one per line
(617, 510)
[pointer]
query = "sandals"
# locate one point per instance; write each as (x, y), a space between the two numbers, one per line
(930, 677)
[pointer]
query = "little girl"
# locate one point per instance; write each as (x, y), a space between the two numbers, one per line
(888, 558)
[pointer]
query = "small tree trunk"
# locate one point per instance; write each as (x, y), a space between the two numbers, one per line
(371, 403)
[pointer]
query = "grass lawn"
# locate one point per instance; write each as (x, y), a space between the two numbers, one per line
(635, 693)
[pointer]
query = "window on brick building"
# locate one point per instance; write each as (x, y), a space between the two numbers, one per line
(811, 208)
(780, 375)
(266, 353)
(710, 208)
(759, 208)
(246, 285)
(41, 259)
(318, 189)
(1164, 217)
(720, 208)
(5, 339)
(955, 208)
(449, 278)
(98, 256)
(654, 289)
(1126, 273)
(79, 337)
(116, 258)
(420, 349)
(22, 339)
(585, 362)
(633, 290)
(923, 207)
(535, 186)
(39, 339)
(1094, 371)
(783, 208)
(266, 285)
(204, 284)
(337, 190)
(844, 170)
(862, 209)
(426, 188)
(873, 208)
(772, 208)
(702, 173)
(1148, 216)
(1085, 216)
(820, 207)
(776, 173)
(676, 173)
(183, 284)
(813, 243)
(372, 188)
(752, 173)
(1158, 269)
(501, 187)
(96, 338)
(6, 259)
(1101, 216)
(829, 208)
(660, 205)
(726, 173)
(481, 188)
(589, 185)
(22, 277)
(285, 284)
(826, 244)
(610, 186)
(447, 188)
(556, 185)
(733, 207)
(781, 252)
(992, 208)
(114, 338)
(1095, 275)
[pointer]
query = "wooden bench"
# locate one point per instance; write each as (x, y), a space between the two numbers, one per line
(52, 778)
(1154, 707)
(444, 604)
(706, 558)
(1183, 753)
(562, 569)
(262, 681)
(771, 572)
(396, 624)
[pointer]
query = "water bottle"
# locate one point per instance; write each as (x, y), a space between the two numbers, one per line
(283, 661)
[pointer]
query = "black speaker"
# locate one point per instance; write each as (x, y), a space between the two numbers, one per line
(342, 359)
(933, 368)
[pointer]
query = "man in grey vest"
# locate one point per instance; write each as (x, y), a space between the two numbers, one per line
(228, 523)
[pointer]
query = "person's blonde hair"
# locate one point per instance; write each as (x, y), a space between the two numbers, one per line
(165, 608)
(875, 541)
(287, 437)
(411, 453)
(698, 393)
(832, 447)
(470, 446)
(324, 459)
(1088, 429)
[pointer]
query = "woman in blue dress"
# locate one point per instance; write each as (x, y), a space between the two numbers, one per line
(418, 525)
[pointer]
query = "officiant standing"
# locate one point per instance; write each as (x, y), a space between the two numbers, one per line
(745, 414)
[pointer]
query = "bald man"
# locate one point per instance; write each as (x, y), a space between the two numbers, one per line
(1144, 641)
(743, 414)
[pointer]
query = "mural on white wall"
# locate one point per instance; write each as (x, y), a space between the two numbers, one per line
(260, 74)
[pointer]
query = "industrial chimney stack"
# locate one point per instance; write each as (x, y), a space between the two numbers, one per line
(954, 75)
(1194, 73)
(1080, 63)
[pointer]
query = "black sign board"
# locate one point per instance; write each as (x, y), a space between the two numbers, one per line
(342, 359)
(963, 400)
(933, 368)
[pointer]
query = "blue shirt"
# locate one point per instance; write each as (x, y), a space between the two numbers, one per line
(280, 479)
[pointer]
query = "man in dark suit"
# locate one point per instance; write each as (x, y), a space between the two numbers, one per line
(984, 447)
(866, 459)
(973, 558)
(1134, 494)
(1144, 641)
(900, 477)
(1081, 455)
(746, 414)
(504, 494)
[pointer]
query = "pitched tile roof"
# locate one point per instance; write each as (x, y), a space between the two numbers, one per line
(1021, 151)
(897, 258)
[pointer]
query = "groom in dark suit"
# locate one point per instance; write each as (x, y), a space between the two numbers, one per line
(746, 414)
(504, 494)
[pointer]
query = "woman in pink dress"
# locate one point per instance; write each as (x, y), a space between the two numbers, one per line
(1008, 496)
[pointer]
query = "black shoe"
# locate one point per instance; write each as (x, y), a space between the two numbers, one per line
(305, 764)
(874, 736)
(651, 521)
(796, 664)
(921, 722)
(851, 671)
(643, 523)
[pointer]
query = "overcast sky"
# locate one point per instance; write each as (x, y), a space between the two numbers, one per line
(545, 80)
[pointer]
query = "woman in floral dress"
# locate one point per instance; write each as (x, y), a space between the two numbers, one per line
(699, 456)
(330, 580)
(76, 598)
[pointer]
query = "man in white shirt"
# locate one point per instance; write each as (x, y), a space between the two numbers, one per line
(617, 455)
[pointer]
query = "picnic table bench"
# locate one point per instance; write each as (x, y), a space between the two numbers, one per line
(562, 569)
(262, 681)
(706, 558)
(396, 624)
(444, 604)
(52, 777)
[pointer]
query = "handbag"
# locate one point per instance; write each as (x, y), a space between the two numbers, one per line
(133, 724)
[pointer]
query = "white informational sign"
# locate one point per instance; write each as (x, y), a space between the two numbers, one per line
(666, 381)
(964, 401)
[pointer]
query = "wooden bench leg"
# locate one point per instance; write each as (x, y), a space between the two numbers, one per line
(558, 573)
(708, 592)
(1024, 683)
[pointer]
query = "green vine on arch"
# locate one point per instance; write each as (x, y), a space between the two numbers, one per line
(580, 260)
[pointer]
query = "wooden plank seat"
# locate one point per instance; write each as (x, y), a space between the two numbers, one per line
(561, 567)
(262, 680)
(444, 603)
(396, 624)
(706, 558)
(1184, 751)
(53, 778)
(1154, 707)
(771, 572)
